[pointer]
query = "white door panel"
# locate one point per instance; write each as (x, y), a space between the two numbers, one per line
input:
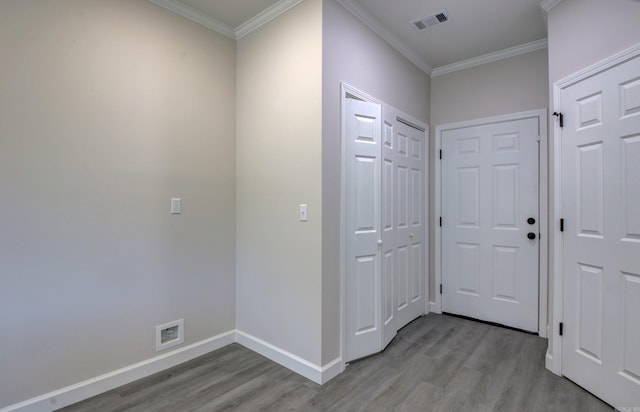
(410, 232)
(601, 242)
(403, 157)
(489, 191)
(362, 221)
(391, 273)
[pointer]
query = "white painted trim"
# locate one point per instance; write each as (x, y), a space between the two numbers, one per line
(236, 33)
(557, 278)
(547, 5)
(343, 215)
(265, 17)
(361, 14)
(490, 57)
(433, 307)
(377, 27)
(437, 213)
(554, 350)
(95, 386)
(100, 384)
(197, 16)
(545, 230)
(427, 213)
(541, 115)
(548, 361)
(287, 359)
(332, 369)
(599, 67)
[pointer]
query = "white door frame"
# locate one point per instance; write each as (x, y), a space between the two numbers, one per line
(541, 115)
(554, 351)
(347, 91)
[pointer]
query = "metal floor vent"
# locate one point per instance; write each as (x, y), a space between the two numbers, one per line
(431, 20)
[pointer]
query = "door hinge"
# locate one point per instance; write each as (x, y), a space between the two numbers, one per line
(562, 225)
(441, 288)
(440, 154)
(560, 117)
(561, 329)
(440, 221)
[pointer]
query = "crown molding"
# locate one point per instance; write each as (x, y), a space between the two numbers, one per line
(490, 57)
(361, 14)
(192, 14)
(265, 16)
(245, 28)
(549, 4)
(378, 28)
(618, 58)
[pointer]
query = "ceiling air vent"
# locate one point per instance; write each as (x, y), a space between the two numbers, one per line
(431, 20)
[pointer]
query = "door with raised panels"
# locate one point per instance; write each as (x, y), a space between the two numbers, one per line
(403, 224)
(363, 332)
(385, 254)
(601, 238)
(490, 202)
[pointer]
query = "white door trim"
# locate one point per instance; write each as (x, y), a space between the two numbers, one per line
(541, 115)
(554, 353)
(347, 90)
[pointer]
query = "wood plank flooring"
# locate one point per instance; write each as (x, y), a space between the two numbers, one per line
(436, 363)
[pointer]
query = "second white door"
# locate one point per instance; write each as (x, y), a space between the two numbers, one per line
(601, 239)
(403, 224)
(490, 201)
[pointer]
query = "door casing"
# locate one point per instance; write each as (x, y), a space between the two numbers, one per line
(541, 115)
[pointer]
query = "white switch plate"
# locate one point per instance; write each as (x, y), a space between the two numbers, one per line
(176, 205)
(304, 216)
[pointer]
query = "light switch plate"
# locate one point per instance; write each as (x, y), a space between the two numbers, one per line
(304, 216)
(176, 205)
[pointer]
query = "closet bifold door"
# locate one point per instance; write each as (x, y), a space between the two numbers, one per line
(363, 238)
(385, 219)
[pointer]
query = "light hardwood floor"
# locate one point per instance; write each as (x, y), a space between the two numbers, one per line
(436, 363)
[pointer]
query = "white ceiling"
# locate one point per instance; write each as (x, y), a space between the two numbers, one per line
(475, 28)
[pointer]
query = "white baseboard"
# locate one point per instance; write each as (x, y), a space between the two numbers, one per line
(548, 362)
(95, 386)
(433, 308)
(103, 383)
(290, 361)
(332, 369)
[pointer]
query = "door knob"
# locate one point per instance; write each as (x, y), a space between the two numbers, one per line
(531, 221)
(380, 242)
(411, 235)
(531, 235)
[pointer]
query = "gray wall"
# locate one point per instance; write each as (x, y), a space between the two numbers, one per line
(107, 110)
(583, 32)
(354, 54)
(279, 132)
(511, 85)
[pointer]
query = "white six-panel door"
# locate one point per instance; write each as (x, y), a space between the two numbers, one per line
(601, 239)
(385, 167)
(403, 224)
(363, 334)
(489, 193)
